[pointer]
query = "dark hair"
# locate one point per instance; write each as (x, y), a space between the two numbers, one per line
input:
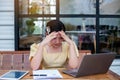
(55, 25)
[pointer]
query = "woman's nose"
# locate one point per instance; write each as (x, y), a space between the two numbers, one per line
(57, 40)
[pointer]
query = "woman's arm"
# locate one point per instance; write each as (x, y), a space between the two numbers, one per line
(73, 58)
(37, 59)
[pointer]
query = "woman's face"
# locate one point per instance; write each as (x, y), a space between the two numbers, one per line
(56, 42)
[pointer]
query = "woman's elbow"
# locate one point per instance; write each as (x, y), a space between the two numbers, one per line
(34, 67)
(73, 66)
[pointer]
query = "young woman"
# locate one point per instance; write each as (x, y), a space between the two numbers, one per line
(56, 50)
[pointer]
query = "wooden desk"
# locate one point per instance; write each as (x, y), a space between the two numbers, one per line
(108, 76)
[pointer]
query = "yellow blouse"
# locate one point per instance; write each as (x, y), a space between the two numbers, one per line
(53, 60)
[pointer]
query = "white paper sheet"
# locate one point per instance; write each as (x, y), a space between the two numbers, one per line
(46, 74)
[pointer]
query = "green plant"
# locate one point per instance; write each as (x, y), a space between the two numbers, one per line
(35, 8)
(30, 26)
(70, 27)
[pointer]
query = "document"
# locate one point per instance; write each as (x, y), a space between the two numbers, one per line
(46, 74)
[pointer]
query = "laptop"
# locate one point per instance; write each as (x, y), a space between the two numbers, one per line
(93, 64)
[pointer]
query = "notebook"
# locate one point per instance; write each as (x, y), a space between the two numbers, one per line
(46, 74)
(93, 64)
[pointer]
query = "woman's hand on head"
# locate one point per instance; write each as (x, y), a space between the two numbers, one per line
(65, 37)
(48, 38)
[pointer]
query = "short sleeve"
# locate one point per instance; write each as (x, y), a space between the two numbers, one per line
(67, 49)
(33, 49)
(76, 49)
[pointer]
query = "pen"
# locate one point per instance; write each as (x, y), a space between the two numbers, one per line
(38, 75)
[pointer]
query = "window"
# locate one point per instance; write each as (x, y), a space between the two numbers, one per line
(110, 34)
(77, 15)
(110, 7)
(77, 7)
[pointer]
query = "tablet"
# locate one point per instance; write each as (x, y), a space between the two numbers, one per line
(14, 75)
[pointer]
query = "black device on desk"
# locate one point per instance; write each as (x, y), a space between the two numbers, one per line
(93, 64)
(13, 75)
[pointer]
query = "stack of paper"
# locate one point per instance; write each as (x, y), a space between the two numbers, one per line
(46, 74)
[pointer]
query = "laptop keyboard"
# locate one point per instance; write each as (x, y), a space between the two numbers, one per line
(73, 71)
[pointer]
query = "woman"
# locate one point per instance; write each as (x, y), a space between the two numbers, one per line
(56, 50)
